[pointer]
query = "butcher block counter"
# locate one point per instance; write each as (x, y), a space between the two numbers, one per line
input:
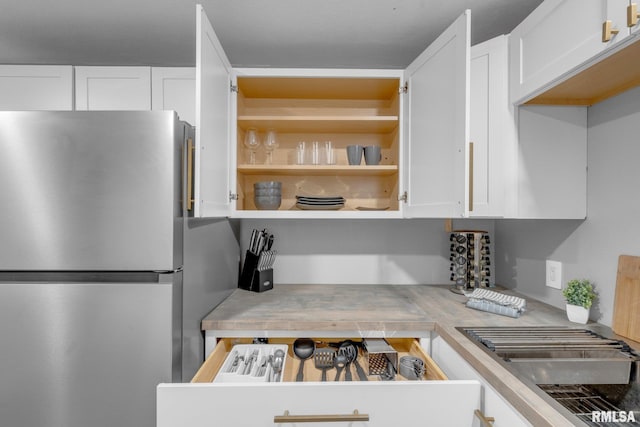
(390, 311)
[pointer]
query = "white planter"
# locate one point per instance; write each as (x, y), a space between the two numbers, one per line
(577, 314)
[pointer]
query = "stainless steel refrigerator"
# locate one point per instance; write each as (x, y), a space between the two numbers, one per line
(95, 306)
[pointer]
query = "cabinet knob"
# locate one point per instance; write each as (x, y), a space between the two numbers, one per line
(608, 31)
(632, 15)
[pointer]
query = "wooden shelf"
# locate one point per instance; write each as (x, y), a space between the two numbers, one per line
(349, 124)
(318, 170)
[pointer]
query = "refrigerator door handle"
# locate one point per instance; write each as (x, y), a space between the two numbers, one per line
(190, 150)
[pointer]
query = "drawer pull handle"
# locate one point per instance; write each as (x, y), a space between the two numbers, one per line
(485, 421)
(330, 418)
(632, 15)
(608, 31)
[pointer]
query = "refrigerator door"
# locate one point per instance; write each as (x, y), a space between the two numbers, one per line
(80, 354)
(91, 191)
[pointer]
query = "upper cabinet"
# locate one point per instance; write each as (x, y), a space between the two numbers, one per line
(574, 52)
(36, 87)
(317, 114)
(174, 88)
(113, 88)
(490, 121)
(214, 132)
(418, 118)
(437, 125)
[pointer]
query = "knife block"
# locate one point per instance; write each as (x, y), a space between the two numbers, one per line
(252, 279)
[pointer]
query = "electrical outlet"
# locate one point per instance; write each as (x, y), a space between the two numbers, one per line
(554, 274)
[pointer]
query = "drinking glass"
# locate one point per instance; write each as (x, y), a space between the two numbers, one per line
(270, 143)
(252, 142)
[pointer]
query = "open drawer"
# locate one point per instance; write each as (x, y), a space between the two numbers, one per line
(403, 346)
(433, 401)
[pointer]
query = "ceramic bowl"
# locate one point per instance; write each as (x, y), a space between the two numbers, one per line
(268, 192)
(267, 184)
(267, 202)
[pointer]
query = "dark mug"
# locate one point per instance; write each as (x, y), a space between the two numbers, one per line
(372, 155)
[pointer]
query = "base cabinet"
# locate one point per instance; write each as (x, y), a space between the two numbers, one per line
(456, 368)
(447, 403)
(433, 401)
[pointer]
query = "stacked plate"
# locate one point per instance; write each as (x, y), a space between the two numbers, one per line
(320, 203)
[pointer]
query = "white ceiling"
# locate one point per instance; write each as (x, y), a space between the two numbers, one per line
(271, 33)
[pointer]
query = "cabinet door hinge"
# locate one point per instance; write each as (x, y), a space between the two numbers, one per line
(403, 198)
(233, 88)
(232, 196)
(404, 89)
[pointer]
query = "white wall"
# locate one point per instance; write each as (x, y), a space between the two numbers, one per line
(377, 251)
(590, 248)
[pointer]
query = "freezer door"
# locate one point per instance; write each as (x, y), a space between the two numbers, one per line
(91, 190)
(85, 354)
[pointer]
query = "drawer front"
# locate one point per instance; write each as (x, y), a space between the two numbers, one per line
(416, 403)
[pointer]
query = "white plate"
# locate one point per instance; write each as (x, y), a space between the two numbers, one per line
(319, 207)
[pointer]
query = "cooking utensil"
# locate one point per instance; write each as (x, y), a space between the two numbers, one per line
(323, 358)
(349, 351)
(626, 311)
(303, 348)
(339, 362)
(361, 373)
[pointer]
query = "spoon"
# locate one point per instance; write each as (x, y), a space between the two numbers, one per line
(339, 361)
(278, 359)
(303, 348)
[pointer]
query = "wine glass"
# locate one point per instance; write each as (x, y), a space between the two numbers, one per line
(270, 143)
(252, 142)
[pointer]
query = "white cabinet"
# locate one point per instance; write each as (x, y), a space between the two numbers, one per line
(36, 87)
(557, 37)
(547, 159)
(214, 133)
(423, 133)
(174, 88)
(456, 368)
(435, 401)
(384, 404)
(437, 125)
(489, 129)
(633, 19)
(113, 88)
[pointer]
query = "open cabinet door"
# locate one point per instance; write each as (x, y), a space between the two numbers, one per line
(437, 125)
(213, 131)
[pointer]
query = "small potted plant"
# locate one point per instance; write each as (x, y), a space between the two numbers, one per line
(579, 295)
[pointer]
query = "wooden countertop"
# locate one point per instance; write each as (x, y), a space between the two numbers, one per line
(362, 308)
(394, 309)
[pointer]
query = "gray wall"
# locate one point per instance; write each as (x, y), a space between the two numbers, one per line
(211, 261)
(590, 248)
(377, 251)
